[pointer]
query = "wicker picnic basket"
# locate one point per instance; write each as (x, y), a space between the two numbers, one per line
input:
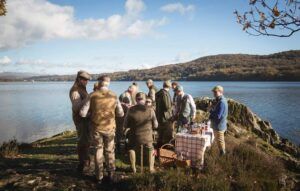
(167, 157)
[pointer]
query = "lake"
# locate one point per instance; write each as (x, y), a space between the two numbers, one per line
(30, 111)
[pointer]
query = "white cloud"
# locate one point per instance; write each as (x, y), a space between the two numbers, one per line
(134, 7)
(178, 7)
(30, 62)
(32, 20)
(5, 60)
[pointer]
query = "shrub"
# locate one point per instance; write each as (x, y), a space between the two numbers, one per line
(9, 149)
(243, 168)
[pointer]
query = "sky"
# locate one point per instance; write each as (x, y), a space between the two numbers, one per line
(64, 36)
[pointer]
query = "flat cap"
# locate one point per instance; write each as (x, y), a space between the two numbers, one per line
(84, 74)
(218, 88)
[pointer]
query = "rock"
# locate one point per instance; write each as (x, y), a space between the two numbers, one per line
(201, 115)
(241, 119)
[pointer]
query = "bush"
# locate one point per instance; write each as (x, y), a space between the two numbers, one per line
(246, 168)
(170, 180)
(242, 168)
(9, 149)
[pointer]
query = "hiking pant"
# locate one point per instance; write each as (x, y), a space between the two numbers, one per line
(105, 151)
(165, 133)
(83, 143)
(219, 135)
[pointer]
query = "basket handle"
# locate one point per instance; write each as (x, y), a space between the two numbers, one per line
(168, 144)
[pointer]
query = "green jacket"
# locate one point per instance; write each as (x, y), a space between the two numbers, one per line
(141, 121)
(163, 106)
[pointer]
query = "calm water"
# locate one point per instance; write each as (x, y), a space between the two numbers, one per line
(29, 111)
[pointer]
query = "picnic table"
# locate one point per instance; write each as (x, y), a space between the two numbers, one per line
(192, 146)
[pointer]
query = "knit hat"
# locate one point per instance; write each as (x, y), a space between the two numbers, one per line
(179, 88)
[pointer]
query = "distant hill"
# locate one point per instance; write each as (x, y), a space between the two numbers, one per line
(282, 66)
(9, 76)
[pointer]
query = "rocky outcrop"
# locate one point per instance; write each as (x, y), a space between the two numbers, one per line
(241, 119)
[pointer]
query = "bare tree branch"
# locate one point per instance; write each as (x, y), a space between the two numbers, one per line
(2, 7)
(271, 18)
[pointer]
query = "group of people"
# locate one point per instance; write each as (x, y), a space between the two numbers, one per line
(101, 118)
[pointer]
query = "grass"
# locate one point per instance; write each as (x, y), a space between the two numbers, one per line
(243, 168)
(49, 164)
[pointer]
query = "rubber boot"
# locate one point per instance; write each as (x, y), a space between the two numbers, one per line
(132, 160)
(151, 160)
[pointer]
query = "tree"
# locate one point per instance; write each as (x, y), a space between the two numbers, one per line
(2, 7)
(271, 18)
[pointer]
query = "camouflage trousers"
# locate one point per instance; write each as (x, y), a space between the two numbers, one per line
(105, 152)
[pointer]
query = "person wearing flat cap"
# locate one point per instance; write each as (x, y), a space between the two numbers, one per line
(140, 120)
(78, 95)
(218, 117)
(163, 111)
(185, 109)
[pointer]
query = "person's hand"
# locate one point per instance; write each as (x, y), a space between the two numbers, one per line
(193, 117)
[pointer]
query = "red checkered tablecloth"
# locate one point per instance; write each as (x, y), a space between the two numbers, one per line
(192, 146)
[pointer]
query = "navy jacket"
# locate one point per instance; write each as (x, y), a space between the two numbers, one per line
(218, 115)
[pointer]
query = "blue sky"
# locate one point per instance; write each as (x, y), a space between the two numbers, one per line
(63, 36)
